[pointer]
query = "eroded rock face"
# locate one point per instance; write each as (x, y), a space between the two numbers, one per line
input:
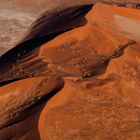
(74, 76)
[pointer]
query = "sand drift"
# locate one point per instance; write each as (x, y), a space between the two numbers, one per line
(73, 75)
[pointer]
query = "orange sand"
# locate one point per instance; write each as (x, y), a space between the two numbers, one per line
(82, 84)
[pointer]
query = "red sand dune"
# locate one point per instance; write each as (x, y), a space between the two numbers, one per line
(75, 76)
(29, 10)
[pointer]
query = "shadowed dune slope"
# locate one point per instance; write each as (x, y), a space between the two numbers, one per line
(29, 10)
(44, 29)
(74, 76)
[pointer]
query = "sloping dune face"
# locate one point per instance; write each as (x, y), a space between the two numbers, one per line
(28, 11)
(127, 3)
(75, 76)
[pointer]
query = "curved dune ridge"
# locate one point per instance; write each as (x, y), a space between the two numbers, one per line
(27, 11)
(74, 76)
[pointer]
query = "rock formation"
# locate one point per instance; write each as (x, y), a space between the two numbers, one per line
(74, 76)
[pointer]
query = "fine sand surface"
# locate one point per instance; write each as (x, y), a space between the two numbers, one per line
(74, 76)
(16, 17)
(13, 26)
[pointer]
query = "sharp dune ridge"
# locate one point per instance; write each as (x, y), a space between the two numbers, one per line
(41, 32)
(75, 71)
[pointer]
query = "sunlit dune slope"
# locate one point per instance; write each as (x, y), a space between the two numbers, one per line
(74, 76)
